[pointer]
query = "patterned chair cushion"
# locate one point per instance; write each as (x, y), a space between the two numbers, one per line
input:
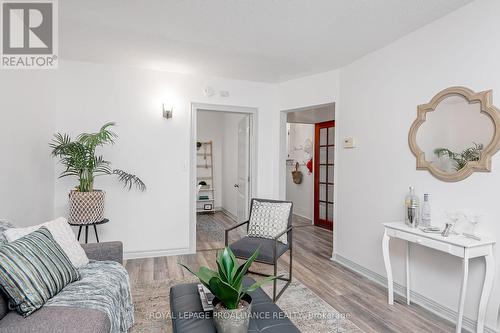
(33, 269)
(269, 219)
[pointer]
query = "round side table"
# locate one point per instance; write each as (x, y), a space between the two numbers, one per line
(87, 229)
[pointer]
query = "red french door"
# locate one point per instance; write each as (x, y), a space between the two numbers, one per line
(323, 174)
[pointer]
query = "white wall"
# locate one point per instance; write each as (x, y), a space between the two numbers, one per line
(156, 149)
(27, 101)
(379, 95)
(316, 89)
(302, 195)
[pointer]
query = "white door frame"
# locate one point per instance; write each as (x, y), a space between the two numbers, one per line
(195, 107)
(283, 157)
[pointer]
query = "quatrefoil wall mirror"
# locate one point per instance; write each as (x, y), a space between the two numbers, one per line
(456, 133)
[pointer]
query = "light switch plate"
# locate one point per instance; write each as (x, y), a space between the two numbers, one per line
(349, 142)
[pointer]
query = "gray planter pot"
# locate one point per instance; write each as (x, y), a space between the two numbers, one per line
(86, 207)
(232, 321)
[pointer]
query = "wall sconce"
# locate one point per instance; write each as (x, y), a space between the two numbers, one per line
(167, 114)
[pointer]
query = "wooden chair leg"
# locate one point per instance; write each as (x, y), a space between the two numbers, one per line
(79, 232)
(86, 234)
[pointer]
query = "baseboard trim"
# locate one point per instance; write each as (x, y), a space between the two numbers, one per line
(427, 303)
(302, 216)
(154, 253)
(229, 214)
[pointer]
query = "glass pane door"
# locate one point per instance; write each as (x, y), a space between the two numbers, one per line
(323, 163)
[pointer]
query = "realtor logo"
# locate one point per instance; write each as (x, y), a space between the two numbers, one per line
(29, 34)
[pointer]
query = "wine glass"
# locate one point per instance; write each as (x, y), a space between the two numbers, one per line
(454, 216)
(474, 219)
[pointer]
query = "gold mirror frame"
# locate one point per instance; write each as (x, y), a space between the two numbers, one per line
(484, 98)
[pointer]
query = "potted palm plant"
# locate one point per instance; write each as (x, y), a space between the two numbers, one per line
(79, 157)
(232, 304)
(460, 159)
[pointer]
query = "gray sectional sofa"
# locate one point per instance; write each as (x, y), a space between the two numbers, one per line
(64, 319)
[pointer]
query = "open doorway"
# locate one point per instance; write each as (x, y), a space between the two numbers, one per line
(310, 164)
(222, 171)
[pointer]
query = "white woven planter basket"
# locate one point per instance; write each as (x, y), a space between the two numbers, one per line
(86, 207)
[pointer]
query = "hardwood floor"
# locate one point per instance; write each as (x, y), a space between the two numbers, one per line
(365, 302)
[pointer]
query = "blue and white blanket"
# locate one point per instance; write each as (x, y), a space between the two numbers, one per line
(104, 286)
(4, 225)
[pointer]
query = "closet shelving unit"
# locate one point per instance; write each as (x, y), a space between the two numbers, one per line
(205, 200)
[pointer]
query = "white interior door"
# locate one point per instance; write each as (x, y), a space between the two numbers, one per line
(243, 184)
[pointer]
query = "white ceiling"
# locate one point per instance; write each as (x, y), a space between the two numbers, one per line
(261, 40)
(312, 114)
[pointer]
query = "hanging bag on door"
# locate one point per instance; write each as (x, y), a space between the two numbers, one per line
(297, 174)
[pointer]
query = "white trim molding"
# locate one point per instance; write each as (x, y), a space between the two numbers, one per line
(427, 303)
(229, 214)
(283, 156)
(195, 107)
(305, 217)
(154, 253)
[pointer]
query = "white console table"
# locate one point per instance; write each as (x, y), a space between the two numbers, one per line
(455, 245)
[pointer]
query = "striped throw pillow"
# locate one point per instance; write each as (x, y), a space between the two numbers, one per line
(33, 269)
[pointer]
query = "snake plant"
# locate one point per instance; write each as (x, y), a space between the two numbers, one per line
(80, 160)
(227, 282)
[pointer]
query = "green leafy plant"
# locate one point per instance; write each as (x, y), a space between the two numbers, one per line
(461, 159)
(227, 282)
(80, 159)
